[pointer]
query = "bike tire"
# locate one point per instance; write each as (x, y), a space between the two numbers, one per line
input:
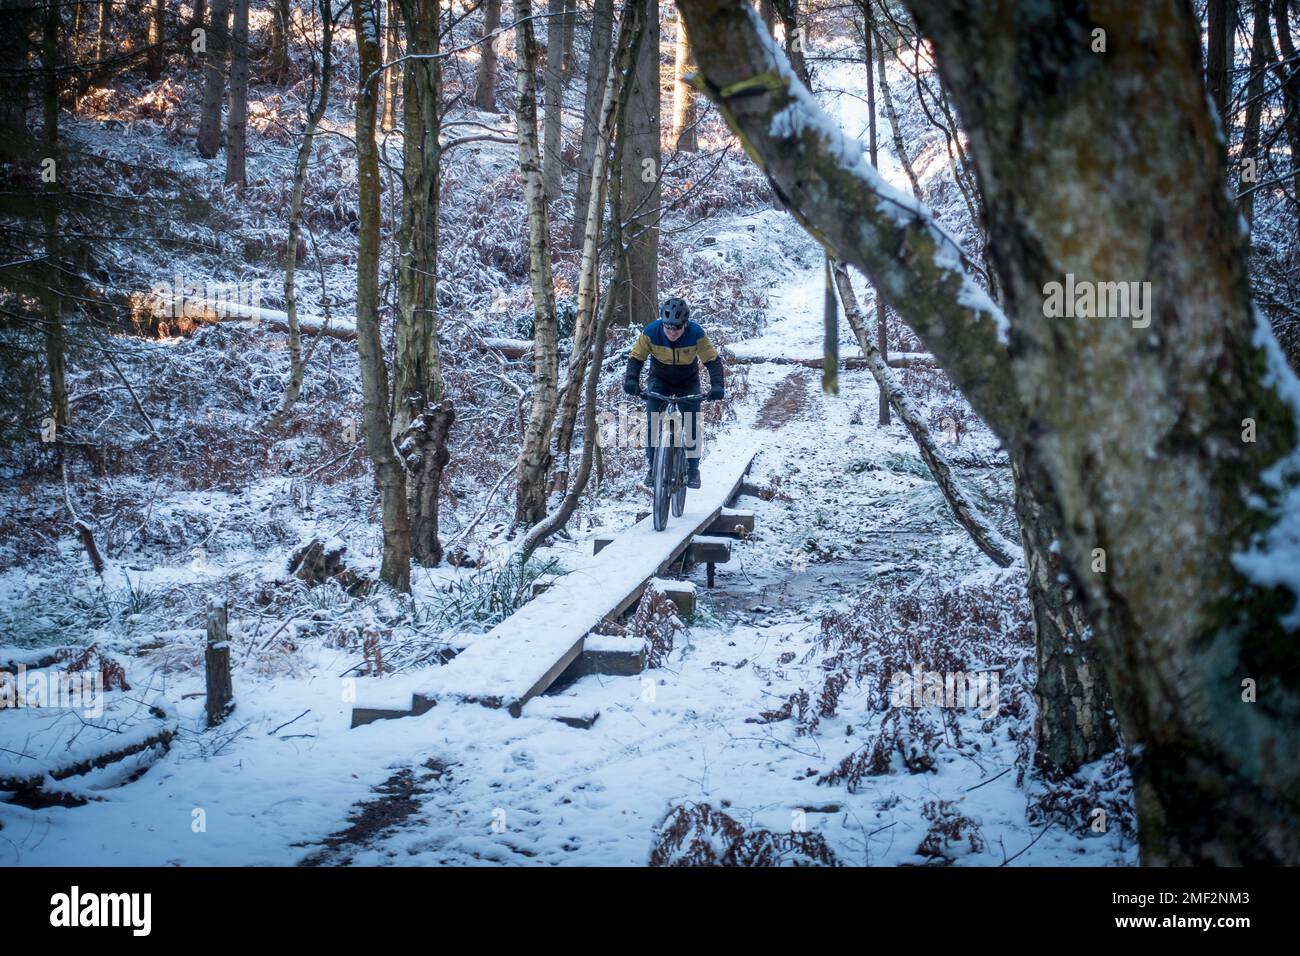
(679, 481)
(663, 483)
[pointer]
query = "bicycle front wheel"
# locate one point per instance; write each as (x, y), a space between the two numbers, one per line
(663, 484)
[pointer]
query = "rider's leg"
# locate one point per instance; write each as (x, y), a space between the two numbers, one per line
(692, 438)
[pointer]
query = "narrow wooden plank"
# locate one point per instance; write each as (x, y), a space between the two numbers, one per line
(520, 657)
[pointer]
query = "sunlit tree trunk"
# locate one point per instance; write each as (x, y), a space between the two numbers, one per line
(392, 81)
(637, 288)
(157, 24)
(683, 130)
(554, 91)
(237, 120)
(602, 21)
(214, 75)
(485, 88)
(613, 105)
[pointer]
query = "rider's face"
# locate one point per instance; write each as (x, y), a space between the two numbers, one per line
(674, 333)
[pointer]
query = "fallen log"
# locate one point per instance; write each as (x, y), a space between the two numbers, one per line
(898, 360)
(162, 738)
(151, 310)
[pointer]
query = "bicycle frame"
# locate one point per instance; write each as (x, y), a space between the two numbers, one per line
(670, 459)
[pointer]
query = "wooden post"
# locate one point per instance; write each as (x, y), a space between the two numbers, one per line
(217, 660)
(711, 566)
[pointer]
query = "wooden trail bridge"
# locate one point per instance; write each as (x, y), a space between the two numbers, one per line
(551, 636)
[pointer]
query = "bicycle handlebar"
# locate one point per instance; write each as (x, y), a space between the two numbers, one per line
(702, 396)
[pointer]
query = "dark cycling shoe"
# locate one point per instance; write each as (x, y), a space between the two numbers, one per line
(693, 477)
(649, 481)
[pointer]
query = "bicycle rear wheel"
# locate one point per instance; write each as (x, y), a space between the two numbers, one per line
(679, 481)
(663, 483)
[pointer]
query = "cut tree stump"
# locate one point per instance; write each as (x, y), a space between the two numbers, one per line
(221, 694)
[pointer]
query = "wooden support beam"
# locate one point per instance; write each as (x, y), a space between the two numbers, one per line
(710, 550)
(730, 522)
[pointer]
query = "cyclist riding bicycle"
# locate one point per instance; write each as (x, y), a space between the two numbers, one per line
(673, 344)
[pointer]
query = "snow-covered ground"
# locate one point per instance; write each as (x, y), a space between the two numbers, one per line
(748, 714)
(854, 505)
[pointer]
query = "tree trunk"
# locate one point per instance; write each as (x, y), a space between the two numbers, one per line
(613, 113)
(157, 25)
(1075, 723)
(15, 82)
(395, 568)
(534, 453)
(683, 131)
(237, 121)
(52, 293)
(570, 25)
(602, 22)
(216, 659)
(392, 75)
(421, 417)
(1259, 56)
(280, 26)
(900, 147)
(214, 72)
(1170, 524)
(554, 93)
(104, 35)
(1288, 71)
(882, 328)
(1221, 18)
(297, 366)
(485, 89)
(637, 292)
(613, 107)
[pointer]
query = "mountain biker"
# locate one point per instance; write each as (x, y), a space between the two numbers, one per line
(673, 343)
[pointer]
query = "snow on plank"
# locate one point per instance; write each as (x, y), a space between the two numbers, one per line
(522, 655)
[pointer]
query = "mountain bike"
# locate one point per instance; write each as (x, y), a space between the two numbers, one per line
(670, 458)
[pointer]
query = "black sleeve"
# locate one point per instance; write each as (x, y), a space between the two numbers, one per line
(634, 368)
(715, 371)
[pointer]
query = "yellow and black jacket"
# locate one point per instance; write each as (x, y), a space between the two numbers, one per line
(674, 363)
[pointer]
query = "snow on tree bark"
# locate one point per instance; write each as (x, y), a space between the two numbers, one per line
(1133, 432)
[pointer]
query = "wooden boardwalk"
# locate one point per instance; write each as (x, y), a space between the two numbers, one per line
(524, 654)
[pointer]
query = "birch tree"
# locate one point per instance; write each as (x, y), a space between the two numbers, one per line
(535, 453)
(613, 107)
(315, 112)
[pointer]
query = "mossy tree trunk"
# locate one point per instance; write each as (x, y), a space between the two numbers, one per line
(1105, 166)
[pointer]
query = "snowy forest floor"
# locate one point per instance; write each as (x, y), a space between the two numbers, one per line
(744, 716)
